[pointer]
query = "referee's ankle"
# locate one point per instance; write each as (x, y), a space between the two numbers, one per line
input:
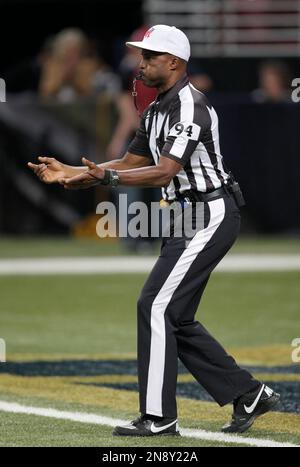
(155, 418)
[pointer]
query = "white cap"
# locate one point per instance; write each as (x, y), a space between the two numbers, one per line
(168, 39)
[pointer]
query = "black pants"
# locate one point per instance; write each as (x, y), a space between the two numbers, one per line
(166, 310)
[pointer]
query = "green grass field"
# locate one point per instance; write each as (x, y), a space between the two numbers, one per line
(13, 247)
(71, 346)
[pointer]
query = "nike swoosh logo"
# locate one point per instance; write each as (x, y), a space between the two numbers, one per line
(252, 407)
(158, 429)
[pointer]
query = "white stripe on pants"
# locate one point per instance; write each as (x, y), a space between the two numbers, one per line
(159, 306)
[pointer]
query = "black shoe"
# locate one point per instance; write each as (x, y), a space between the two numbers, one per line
(145, 426)
(250, 406)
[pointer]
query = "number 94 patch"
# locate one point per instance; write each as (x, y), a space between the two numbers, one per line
(186, 130)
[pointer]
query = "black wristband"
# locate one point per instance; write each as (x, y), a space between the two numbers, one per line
(106, 178)
(110, 178)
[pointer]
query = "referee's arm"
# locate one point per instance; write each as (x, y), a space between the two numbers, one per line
(128, 161)
(50, 170)
(154, 176)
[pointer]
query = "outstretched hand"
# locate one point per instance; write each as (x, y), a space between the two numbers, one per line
(88, 179)
(49, 170)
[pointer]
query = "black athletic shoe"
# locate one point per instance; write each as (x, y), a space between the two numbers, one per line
(144, 426)
(250, 406)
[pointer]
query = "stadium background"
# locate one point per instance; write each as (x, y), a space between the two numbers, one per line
(67, 310)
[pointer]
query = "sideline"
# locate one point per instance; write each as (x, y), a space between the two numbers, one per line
(144, 264)
(95, 419)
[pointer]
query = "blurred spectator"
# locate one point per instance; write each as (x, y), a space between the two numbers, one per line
(68, 66)
(73, 69)
(274, 83)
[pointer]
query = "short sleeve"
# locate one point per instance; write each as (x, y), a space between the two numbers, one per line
(140, 143)
(184, 135)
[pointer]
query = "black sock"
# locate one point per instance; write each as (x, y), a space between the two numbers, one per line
(154, 418)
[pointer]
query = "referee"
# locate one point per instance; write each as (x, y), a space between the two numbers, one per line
(177, 148)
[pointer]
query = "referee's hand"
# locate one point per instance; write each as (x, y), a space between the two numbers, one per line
(88, 179)
(49, 170)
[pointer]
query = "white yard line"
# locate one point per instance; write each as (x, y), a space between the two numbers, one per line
(95, 419)
(142, 264)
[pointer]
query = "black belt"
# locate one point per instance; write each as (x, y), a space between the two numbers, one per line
(196, 196)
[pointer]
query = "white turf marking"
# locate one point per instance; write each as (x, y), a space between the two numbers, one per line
(101, 420)
(129, 264)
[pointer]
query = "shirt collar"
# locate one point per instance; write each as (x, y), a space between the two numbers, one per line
(163, 100)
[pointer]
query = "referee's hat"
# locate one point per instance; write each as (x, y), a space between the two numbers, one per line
(165, 39)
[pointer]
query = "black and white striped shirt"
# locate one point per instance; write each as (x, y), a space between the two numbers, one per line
(181, 124)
